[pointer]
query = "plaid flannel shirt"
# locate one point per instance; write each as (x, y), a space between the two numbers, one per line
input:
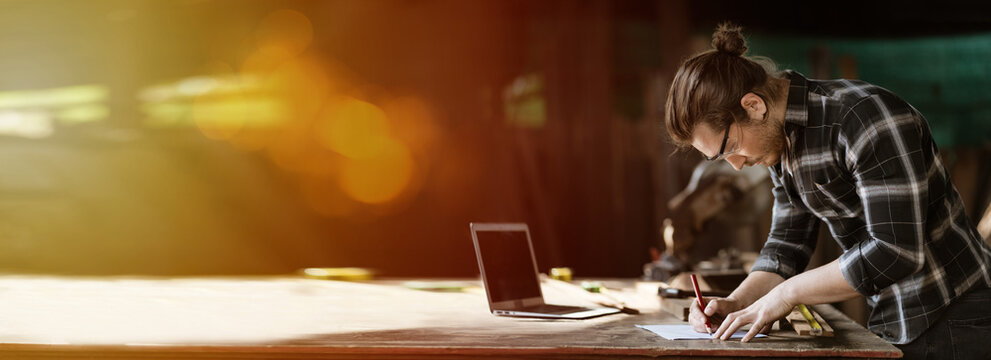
(863, 161)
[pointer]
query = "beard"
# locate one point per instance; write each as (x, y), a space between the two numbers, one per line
(772, 140)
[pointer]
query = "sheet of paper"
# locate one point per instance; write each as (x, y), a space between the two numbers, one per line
(685, 332)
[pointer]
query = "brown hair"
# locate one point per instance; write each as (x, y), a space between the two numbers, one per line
(709, 85)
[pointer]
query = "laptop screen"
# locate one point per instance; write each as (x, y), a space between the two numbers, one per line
(509, 271)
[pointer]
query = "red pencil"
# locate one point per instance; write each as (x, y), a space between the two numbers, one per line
(698, 295)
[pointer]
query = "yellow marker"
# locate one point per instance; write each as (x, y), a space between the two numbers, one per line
(816, 328)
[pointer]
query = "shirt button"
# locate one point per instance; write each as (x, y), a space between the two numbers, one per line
(888, 334)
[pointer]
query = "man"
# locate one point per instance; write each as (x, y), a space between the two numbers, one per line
(862, 161)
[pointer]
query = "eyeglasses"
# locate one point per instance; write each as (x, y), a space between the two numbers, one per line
(721, 147)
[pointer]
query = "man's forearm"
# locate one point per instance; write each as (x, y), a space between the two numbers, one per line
(824, 284)
(756, 285)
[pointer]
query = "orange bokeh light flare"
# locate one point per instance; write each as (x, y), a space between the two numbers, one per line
(353, 128)
(380, 178)
(287, 29)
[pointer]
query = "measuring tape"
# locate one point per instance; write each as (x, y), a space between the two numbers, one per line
(816, 328)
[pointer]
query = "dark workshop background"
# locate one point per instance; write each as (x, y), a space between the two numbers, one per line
(187, 137)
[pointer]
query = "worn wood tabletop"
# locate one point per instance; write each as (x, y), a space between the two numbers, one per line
(286, 317)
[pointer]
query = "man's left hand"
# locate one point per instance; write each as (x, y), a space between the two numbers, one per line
(762, 314)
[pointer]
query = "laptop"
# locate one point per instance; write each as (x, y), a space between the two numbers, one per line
(509, 274)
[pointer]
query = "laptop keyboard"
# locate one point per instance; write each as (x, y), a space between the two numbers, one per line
(553, 309)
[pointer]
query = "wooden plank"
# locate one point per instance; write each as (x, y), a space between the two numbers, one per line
(803, 327)
(680, 308)
(826, 329)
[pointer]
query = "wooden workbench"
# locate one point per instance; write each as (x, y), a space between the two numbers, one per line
(290, 318)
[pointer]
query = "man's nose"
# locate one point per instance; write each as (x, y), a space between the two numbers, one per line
(736, 161)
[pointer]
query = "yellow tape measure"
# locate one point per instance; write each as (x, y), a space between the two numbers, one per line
(816, 328)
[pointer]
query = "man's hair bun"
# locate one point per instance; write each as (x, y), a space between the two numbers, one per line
(728, 39)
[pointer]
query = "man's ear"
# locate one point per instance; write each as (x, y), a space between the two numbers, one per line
(754, 105)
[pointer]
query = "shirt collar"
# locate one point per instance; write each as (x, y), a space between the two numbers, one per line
(797, 113)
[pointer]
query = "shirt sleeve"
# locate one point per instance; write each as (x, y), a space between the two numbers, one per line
(793, 236)
(884, 138)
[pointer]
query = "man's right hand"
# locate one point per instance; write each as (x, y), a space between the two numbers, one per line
(715, 308)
